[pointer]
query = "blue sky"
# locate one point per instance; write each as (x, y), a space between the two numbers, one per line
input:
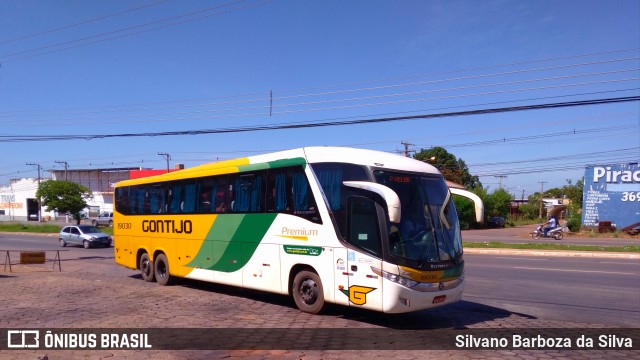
(130, 67)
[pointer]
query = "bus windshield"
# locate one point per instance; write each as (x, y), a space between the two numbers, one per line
(428, 230)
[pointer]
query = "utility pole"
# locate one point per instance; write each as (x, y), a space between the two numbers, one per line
(39, 206)
(167, 157)
(66, 165)
(406, 148)
(541, 195)
(500, 177)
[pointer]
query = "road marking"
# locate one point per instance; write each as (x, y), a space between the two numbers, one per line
(619, 263)
(582, 271)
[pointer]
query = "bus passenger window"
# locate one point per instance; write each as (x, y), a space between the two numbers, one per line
(248, 193)
(289, 192)
(221, 194)
(122, 200)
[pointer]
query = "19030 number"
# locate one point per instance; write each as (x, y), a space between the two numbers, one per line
(124, 226)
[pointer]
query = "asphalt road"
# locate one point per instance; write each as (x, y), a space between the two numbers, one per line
(595, 290)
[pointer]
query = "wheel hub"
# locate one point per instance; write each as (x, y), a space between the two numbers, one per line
(308, 291)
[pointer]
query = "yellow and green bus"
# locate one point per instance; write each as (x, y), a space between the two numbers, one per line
(336, 225)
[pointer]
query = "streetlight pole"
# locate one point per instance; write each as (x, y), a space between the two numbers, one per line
(167, 157)
(39, 202)
(541, 196)
(66, 165)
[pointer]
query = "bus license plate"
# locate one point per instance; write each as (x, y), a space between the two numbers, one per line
(439, 299)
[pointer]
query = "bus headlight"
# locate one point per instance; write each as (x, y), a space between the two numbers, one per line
(406, 282)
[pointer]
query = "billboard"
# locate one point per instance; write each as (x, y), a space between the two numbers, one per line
(611, 193)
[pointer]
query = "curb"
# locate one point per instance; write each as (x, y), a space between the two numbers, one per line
(558, 253)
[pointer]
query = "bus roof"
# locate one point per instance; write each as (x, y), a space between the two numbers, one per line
(317, 154)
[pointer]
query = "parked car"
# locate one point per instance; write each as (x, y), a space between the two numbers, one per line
(104, 219)
(85, 235)
(496, 222)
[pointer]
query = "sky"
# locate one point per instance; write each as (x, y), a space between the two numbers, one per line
(100, 84)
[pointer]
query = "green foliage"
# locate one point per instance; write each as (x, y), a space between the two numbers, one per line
(498, 203)
(453, 169)
(530, 210)
(574, 220)
(574, 192)
(574, 224)
(466, 211)
(64, 197)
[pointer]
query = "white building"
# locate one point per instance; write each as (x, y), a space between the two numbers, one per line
(18, 200)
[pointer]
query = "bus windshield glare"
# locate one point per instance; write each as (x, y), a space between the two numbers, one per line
(428, 230)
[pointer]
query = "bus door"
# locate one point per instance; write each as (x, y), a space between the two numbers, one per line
(365, 252)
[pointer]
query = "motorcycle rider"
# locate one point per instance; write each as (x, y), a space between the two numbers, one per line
(552, 225)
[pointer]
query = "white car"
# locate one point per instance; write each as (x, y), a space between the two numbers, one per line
(85, 235)
(105, 219)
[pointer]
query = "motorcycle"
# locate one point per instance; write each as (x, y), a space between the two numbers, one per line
(554, 233)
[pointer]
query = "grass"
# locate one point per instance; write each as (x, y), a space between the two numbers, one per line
(529, 246)
(30, 228)
(40, 228)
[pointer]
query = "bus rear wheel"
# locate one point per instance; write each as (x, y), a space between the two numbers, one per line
(161, 268)
(307, 292)
(146, 268)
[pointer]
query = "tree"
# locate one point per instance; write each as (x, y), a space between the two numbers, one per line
(498, 203)
(64, 197)
(532, 208)
(453, 169)
(574, 192)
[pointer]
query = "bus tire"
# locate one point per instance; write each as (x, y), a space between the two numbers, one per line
(307, 292)
(146, 268)
(161, 268)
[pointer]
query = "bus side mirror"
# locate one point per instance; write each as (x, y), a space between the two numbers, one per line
(479, 206)
(389, 196)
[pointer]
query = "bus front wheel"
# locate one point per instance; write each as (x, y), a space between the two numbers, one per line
(161, 268)
(307, 292)
(146, 268)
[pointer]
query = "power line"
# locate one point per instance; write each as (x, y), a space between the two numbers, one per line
(144, 107)
(25, 54)
(21, 138)
(23, 37)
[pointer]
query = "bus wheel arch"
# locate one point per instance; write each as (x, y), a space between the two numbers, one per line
(306, 289)
(161, 269)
